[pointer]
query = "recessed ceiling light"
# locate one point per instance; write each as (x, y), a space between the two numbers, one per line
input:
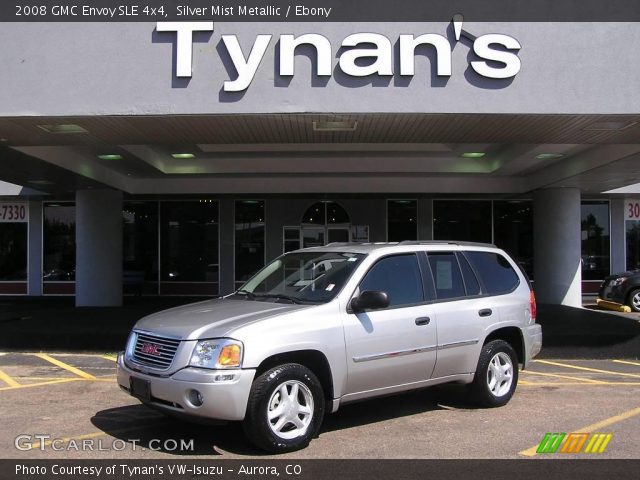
(63, 128)
(40, 182)
(473, 154)
(549, 156)
(110, 156)
(334, 126)
(609, 126)
(183, 156)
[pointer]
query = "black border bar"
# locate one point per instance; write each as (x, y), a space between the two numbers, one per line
(319, 10)
(495, 469)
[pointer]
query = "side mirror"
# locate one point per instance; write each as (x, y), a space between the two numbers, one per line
(370, 300)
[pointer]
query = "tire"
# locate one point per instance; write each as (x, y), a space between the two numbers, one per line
(486, 390)
(303, 413)
(634, 300)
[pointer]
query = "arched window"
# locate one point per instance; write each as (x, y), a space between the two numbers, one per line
(325, 213)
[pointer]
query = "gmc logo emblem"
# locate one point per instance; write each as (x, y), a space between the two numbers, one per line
(151, 348)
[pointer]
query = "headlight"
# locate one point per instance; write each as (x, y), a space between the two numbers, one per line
(217, 354)
(618, 281)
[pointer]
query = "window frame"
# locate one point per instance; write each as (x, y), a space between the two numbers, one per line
(483, 288)
(435, 292)
(416, 255)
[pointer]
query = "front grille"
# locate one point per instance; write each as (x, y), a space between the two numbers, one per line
(156, 352)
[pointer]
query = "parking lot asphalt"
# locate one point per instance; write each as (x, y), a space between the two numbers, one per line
(56, 406)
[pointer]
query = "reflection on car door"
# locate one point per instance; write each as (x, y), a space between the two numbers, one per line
(396, 345)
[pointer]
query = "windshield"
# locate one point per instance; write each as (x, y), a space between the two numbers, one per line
(302, 277)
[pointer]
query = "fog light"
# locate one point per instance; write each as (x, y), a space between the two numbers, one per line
(195, 397)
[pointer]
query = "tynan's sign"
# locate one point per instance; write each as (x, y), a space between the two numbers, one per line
(497, 53)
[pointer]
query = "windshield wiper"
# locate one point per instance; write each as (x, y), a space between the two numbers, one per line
(280, 296)
(246, 293)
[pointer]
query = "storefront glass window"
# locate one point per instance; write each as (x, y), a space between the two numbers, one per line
(325, 213)
(291, 239)
(249, 239)
(336, 214)
(633, 244)
(462, 220)
(315, 214)
(13, 252)
(59, 242)
(402, 220)
(513, 231)
(189, 244)
(595, 240)
(140, 247)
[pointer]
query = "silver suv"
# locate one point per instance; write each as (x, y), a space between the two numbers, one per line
(321, 327)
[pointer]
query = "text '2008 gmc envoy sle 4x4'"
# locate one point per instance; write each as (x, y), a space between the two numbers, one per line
(320, 327)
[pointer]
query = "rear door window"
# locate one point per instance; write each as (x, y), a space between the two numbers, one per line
(446, 275)
(495, 271)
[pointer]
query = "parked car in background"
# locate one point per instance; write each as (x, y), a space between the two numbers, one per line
(324, 326)
(622, 289)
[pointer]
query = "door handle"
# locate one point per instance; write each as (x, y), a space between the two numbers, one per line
(423, 321)
(485, 312)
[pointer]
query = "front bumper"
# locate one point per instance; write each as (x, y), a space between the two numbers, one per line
(532, 342)
(222, 399)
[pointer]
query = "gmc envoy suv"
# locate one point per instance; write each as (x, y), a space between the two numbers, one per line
(324, 326)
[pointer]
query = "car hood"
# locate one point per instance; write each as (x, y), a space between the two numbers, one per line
(211, 318)
(631, 273)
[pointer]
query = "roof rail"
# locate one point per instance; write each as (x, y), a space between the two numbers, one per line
(446, 242)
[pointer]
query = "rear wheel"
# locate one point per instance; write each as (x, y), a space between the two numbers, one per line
(634, 300)
(285, 409)
(496, 375)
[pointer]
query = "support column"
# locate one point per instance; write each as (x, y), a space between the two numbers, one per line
(98, 248)
(34, 265)
(618, 236)
(557, 246)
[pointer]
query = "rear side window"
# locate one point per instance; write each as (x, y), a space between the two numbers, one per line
(398, 276)
(446, 275)
(496, 274)
(470, 280)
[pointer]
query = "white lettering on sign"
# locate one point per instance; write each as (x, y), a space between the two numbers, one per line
(511, 62)
(14, 212)
(632, 209)
(288, 44)
(382, 55)
(362, 54)
(246, 68)
(184, 42)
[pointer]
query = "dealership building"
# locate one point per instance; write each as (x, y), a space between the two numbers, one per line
(177, 158)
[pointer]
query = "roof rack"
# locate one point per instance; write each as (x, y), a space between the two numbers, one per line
(446, 242)
(413, 242)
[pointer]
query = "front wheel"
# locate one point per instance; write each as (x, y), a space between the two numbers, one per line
(634, 300)
(496, 375)
(285, 409)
